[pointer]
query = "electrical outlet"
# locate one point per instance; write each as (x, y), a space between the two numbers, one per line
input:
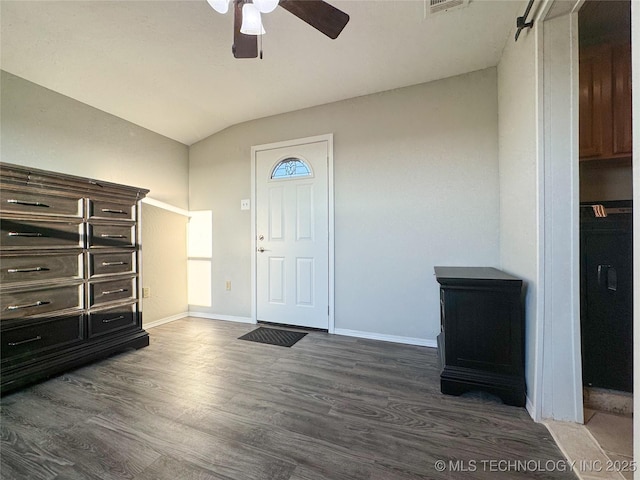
(146, 292)
(245, 204)
(228, 285)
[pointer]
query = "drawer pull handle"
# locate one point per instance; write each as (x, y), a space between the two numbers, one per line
(28, 204)
(111, 210)
(112, 264)
(106, 235)
(25, 234)
(21, 342)
(114, 319)
(111, 292)
(27, 270)
(28, 305)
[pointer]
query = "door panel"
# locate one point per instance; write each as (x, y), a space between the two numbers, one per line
(277, 285)
(304, 213)
(292, 227)
(276, 214)
(304, 282)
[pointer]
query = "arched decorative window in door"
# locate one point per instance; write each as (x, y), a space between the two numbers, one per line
(291, 167)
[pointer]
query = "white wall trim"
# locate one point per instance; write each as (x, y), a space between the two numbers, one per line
(254, 280)
(561, 388)
(162, 321)
(422, 342)
(165, 206)
(531, 408)
(226, 318)
(332, 246)
(534, 403)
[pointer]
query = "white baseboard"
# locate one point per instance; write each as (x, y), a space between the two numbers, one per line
(531, 409)
(422, 342)
(215, 316)
(162, 321)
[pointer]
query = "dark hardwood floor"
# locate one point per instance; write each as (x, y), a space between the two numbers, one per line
(200, 404)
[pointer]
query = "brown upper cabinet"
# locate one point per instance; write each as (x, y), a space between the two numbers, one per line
(605, 102)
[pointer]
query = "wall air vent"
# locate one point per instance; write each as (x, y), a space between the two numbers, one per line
(431, 7)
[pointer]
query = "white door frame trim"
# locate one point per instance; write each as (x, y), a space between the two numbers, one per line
(558, 370)
(254, 280)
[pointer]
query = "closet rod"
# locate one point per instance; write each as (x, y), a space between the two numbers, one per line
(521, 22)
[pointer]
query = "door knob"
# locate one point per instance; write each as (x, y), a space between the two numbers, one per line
(261, 249)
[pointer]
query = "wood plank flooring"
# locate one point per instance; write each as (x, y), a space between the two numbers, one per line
(200, 404)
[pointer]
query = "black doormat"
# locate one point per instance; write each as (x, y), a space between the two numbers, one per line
(273, 336)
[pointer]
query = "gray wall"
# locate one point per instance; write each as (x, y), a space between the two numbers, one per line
(164, 258)
(416, 185)
(611, 182)
(43, 129)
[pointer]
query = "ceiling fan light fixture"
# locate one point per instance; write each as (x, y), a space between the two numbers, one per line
(251, 20)
(220, 6)
(266, 6)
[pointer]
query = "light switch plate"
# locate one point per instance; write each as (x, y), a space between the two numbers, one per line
(245, 204)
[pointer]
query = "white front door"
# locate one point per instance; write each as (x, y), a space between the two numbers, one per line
(292, 235)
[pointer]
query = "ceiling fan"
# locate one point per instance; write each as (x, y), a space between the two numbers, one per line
(319, 14)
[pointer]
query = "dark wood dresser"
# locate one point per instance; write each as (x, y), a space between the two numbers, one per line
(69, 272)
(481, 344)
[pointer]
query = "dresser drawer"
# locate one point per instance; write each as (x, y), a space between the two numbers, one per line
(39, 203)
(28, 234)
(108, 263)
(106, 209)
(44, 336)
(111, 235)
(38, 301)
(113, 319)
(26, 268)
(103, 292)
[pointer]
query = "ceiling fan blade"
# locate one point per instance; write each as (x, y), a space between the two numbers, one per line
(244, 46)
(319, 14)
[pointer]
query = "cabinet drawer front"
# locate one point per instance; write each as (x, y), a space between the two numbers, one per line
(28, 268)
(111, 235)
(18, 234)
(108, 263)
(41, 337)
(113, 319)
(102, 209)
(36, 302)
(102, 292)
(40, 204)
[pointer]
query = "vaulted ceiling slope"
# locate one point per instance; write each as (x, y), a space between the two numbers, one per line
(167, 65)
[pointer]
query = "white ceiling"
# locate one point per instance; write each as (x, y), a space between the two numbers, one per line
(167, 65)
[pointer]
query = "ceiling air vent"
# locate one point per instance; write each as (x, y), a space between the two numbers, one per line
(439, 6)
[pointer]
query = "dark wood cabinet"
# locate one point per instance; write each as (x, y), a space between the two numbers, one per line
(69, 271)
(606, 284)
(605, 101)
(621, 101)
(481, 344)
